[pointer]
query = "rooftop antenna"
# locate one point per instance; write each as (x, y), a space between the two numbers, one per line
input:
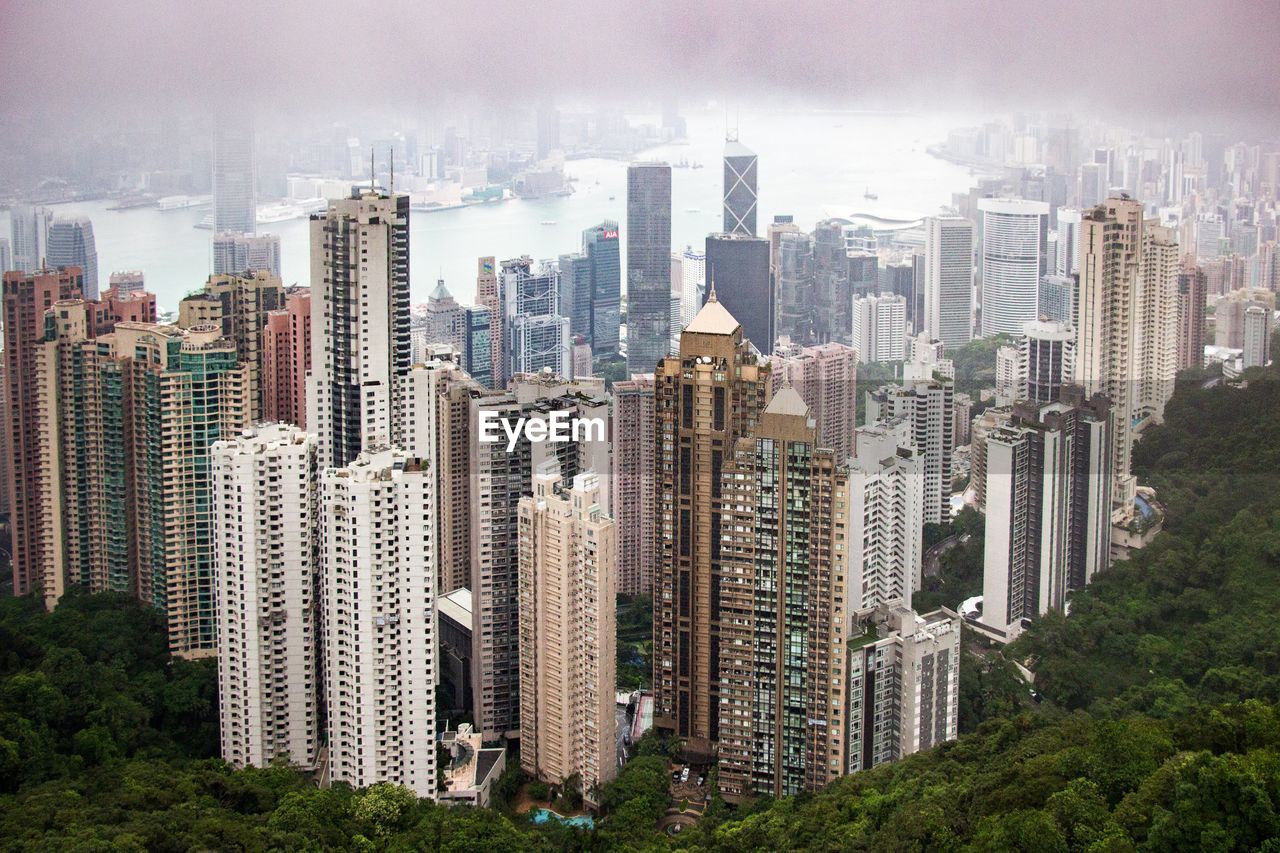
(393, 171)
(372, 186)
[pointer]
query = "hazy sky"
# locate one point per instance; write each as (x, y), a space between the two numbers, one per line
(1176, 58)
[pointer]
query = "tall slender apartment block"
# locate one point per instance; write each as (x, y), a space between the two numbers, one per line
(286, 359)
(1126, 337)
(826, 378)
(929, 407)
(782, 602)
(360, 348)
(1045, 356)
(880, 328)
(903, 684)
(886, 515)
(489, 296)
(648, 265)
(453, 464)
(240, 305)
(1192, 293)
(706, 398)
(203, 395)
(378, 566)
(1048, 508)
(568, 557)
(948, 280)
(635, 483)
(266, 552)
(501, 473)
(34, 489)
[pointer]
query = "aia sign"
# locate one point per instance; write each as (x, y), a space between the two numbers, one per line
(610, 235)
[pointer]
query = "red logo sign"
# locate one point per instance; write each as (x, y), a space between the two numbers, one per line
(611, 235)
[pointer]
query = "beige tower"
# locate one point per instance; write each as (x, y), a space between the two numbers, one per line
(1127, 334)
(634, 483)
(568, 658)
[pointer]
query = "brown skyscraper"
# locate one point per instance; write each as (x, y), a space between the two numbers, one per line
(33, 487)
(783, 607)
(489, 296)
(706, 398)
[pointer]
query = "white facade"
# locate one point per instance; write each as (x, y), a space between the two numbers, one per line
(378, 524)
(880, 328)
(928, 406)
(1013, 246)
(1257, 336)
(1008, 380)
(233, 254)
(1067, 261)
(886, 515)
(265, 533)
(948, 280)
(693, 284)
(360, 345)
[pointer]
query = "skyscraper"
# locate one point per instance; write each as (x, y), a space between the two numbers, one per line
(792, 275)
(203, 397)
(1192, 287)
(715, 374)
(880, 328)
(378, 564)
(239, 305)
(489, 296)
(927, 405)
(739, 189)
(1048, 508)
(499, 478)
(886, 515)
(1126, 342)
(1014, 232)
(29, 228)
(634, 483)
(601, 246)
(71, 244)
(33, 485)
(1058, 299)
(904, 684)
(286, 359)
(477, 344)
(831, 297)
(693, 283)
(781, 597)
(234, 180)
(1045, 356)
(648, 265)
(568, 660)
(738, 271)
(266, 550)
(1257, 337)
(235, 254)
(826, 378)
(948, 280)
(1067, 262)
(537, 333)
(359, 321)
(444, 318)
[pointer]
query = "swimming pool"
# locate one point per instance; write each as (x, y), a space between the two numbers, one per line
(582, 821)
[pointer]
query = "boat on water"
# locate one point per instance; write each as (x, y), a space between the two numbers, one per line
(548, 222)
(693, 210)
(869, 195)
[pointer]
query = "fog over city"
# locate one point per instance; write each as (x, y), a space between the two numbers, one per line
(82, 60)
